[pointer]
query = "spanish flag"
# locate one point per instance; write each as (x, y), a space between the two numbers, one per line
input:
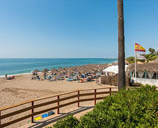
(139, 48)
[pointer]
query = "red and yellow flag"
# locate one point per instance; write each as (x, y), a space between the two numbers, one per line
(139, 48)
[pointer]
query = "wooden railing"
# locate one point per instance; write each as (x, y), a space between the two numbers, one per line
(58, 99)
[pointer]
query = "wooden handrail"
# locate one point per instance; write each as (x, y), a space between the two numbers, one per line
(58, 100)
(16, 105)
(29, 101)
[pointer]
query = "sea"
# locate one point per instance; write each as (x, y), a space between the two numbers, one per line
(27, 65)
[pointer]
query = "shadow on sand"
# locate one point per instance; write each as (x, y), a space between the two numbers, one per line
(60, 116)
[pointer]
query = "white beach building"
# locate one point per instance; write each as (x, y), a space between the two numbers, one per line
(147, 73)
(112, 70)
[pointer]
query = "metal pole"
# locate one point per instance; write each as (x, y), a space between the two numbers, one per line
(135, 68)
(95, 96)
(32, 111)
(78, 98)
(58, 105)
(110, 91)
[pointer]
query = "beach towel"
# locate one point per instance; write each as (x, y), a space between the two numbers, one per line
(51, 113)
(38, 118)
(44, 115)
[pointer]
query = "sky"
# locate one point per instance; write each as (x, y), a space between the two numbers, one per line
(74, 28)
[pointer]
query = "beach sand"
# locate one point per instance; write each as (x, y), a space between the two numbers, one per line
(22, 88)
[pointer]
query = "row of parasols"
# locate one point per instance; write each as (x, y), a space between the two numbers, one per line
(91, 68)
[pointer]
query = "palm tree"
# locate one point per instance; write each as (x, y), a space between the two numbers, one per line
(121, 49)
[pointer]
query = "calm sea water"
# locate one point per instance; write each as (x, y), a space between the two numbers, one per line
(20, 66)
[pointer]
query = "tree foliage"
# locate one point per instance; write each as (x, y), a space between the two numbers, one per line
(131, 59)
(151, 50)
(149, 57)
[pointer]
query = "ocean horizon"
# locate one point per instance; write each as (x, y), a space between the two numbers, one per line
(17, 66)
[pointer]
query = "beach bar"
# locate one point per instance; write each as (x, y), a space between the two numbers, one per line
(147, 73)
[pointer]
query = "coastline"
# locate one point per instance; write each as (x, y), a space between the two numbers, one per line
(9, 75)
(3, 76)
(14, 67)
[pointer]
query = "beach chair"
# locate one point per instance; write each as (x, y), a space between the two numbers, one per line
(42, 78)
(82, 76)
(51, 80)
(69, 79)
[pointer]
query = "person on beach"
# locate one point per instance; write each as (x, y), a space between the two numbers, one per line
(6, 76)
(9, 78)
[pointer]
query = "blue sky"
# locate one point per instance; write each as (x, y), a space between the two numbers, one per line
(74, 28)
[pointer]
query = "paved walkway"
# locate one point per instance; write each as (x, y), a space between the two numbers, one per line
(49, 121)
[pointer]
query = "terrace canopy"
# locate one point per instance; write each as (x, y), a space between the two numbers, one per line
(113, 70)
(146, 70)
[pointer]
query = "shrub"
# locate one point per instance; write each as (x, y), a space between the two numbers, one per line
(68, 122)
(127, 109)
(131, 59)
(153, 58)
(140, 60)
(133, 108)
(146, 55)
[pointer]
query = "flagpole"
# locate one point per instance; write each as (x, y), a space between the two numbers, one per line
(135, 68)
(141, 49)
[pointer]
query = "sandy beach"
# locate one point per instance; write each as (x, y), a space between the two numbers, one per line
(22, 88)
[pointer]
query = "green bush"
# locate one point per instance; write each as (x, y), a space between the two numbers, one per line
(127, 109)
(68, 122)
(140, 60)
(131, 59)
(153, 58)
(146, 55)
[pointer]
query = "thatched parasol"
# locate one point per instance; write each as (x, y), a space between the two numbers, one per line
(45, 70)
(35, 71)
(53, 70)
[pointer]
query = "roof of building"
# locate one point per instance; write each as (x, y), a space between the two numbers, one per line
(149, 67)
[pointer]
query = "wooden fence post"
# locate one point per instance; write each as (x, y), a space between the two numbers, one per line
(78, 98)
(95, 96)
(0, 118)
(32, 111)
(58, 104)
(110, 91)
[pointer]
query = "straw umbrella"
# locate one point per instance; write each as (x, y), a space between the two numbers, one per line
(45, 70)
(35, 71)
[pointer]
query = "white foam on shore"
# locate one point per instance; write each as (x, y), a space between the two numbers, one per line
(3, 76)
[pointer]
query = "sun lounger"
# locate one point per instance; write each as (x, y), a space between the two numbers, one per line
(69, 79)
(51, 80)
